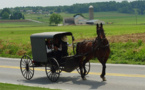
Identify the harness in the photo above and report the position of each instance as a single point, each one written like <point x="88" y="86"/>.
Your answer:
<point x="99" y="43"/>
<point x="97" y="47"/>
<point x="100" y="46"/>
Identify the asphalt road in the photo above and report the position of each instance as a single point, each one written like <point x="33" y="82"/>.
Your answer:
<point x="119" y="77"/>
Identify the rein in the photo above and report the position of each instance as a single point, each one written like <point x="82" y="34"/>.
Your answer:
<point x="99" y="46"/>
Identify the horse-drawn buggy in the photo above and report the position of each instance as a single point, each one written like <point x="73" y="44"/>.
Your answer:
<point x="50" y="50"/>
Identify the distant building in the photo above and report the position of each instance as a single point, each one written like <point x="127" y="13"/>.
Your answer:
<point x="91" y="12"/>
<point x="91" y="17"/>
<point x="29" y="11"/>
<point x="68" y="21"/>
<point x="79" y="20"/>
<point x="95" y="22"/>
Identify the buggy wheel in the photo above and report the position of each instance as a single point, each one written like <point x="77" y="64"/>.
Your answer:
<point x="26" y="67"/>
<point x="87" y="66"/>
<point x="52" y="70"/>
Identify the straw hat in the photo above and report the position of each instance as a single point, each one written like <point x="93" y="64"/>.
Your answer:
<point x="64" y="38"/>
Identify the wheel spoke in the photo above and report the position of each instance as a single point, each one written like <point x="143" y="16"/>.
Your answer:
<point x="29" y="62"/>
<point x="31" y="72"/>
<point x="24" y="72"/>
<point x="23" y="62"/>
<point x="27" y="75"/>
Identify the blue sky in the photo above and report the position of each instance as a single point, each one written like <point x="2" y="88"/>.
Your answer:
<point x="15" y="3"/>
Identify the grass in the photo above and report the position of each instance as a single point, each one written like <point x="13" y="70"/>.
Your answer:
<point x="15" y="37"/>
<point x="118" y="18"/>
<point x="21" y="24"/>
<point x="38" y="17"/>
<point x="127" y="53"/>
<point x="5" y="86"/>
<point x="15" y="41"/>
<point x="18" y="34"/>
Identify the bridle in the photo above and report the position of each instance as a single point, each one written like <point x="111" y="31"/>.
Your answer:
<point x="99" y="45"/>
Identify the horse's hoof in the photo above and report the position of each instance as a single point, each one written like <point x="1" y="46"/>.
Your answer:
<point x="84" y="78"/>
<point x="103" y="78"/>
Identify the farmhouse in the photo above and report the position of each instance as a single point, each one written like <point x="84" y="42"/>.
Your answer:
<point x="79" y="20"/>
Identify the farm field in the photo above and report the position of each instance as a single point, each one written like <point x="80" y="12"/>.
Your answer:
<point x="125" y="37"/>
<point x="108" y="17"/>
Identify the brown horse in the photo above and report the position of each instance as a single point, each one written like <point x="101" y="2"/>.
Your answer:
<point x="98" y="48"/>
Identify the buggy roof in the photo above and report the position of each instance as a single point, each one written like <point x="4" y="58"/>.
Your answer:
<point x="49" y="34"/>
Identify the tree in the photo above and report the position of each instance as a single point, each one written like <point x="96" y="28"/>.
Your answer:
<point x="5" y="15"/>
<point x="55" y="18"/>
<point x="5" y="10"/>
<point x="17" y="15"/>
<point x="58" y="9"/>
<point x="23" y="17"/>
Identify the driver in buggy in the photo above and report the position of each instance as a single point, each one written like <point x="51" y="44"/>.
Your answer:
<point x="60" y="48"/>
<point x="49" y="48"/>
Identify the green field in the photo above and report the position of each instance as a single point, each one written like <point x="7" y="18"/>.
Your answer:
<point x="4" y="86"/>
<point x="15" y="37"/>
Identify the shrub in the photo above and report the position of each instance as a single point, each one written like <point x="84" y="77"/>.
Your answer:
<point x="139" y="42"/>
<point x="129" y="52"/>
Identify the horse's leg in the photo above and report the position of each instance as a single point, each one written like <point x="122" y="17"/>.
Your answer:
<point x="81" y="70"/>
<point x="84" y="73"/>
<point x="103" y="71"/>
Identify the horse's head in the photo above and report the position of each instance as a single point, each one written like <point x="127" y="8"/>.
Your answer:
<point x="101" y="39"/>
<point x="100" y="31"/>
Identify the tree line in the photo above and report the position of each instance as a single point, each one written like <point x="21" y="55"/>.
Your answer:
<point x="137" y="6"/>
<point x="7" y="14"/>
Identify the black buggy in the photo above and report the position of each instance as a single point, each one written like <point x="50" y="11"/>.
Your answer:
<point x="45" y="52"/>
